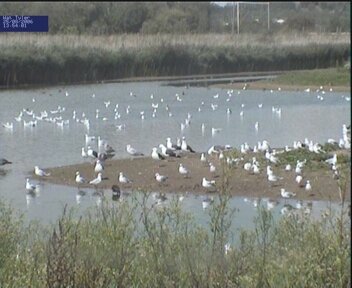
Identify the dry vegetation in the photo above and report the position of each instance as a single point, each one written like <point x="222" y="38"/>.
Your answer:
<point x="116" y="42"/>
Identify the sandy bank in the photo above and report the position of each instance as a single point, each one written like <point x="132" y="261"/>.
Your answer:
<point x="240" y="182"/>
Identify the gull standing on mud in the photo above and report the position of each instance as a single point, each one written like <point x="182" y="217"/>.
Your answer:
<point x="287" y="194"/>
<point x="308" y="186"/>
<point x="171" y="146"/>
<point x="160" y="178"/>
<point x="168" y="152"/>
<point x="208" y="183"/>
<point x="99" y="167"/>
<point x="97" y="180"/>
<point x="123" y="179"/>
<point x="130" y="150"/>
<point x="185" y="147"/>
<point x="183" y="171"/>
<point x="79" y="179"/>
<point x="156" y="155"/>
<point x="40" y="172"/>
<point x="273" y="178"/>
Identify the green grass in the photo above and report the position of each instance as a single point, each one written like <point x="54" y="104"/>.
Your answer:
<point x="316" y="77"/>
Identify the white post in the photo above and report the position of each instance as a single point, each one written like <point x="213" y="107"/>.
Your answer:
<point x="238" y="17"/>
<point x="268" y="16"/>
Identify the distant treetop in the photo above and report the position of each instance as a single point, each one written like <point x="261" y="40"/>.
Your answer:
<point x="105" y="18"/>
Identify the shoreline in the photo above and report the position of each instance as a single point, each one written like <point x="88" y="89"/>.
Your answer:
<point x="202" y="82"/>
<point x="263" y="85"/>
<point x="141" y="170"/>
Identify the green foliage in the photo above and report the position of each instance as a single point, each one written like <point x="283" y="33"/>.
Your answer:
<point x="134" y="244"/>
<point x="106" y="18"/>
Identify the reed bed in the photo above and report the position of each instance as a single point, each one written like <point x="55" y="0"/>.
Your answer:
<point x="42" y="59"/>
<point x="127" y="41"/>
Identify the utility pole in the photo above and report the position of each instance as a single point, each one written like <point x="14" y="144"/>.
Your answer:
<point x="233" y="18"/>
<point x="238" y="17"/>
<point x="268" y="16"/>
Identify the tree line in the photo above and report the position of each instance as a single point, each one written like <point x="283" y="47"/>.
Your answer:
<point x="106" y="18"/>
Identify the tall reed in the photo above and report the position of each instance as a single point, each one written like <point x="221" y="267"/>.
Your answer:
<point x="41" y="59"/>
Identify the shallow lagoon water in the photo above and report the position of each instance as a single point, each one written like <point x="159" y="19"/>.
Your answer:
<point x="48" y="145"/>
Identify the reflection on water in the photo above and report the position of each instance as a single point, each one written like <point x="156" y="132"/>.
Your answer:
<point x="51" y="131"/>
<point x="3" y="172"/>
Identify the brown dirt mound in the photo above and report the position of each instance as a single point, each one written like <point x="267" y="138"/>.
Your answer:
<point x="240" y="182"/>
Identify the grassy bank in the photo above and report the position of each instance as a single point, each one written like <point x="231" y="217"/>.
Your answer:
<point x="72" y="59"/>
<point x="102" y="249"/>
<point x="318" y="77"/>
<point x="338" y="79"/>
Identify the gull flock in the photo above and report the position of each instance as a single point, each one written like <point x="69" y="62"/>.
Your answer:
<point x="30" y="119"/>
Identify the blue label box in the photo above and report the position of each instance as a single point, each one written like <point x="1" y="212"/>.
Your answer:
<point x="24" y="23"/>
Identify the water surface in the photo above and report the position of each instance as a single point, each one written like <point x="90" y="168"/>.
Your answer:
<point x="303" y="115"/>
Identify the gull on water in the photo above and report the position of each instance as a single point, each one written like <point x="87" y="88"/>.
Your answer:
<point x="159" y="197"/>
<point x="256" y="126"/>
<point x="120" y="127"/>
<point x="108" y="149"/>
<point x="287" y="209"/>
<point x="271" y="204"/>
<point x="215" y="130"/>
<point x="40" y="172"/>
<point x="89" y="139"/>
<point x="3" y="161"/>
<point x="207" y="201"/>
<point x="30" y="187"/>
<point x="101" y="142"/>
<point x="91" y="153"/>
<point x="79" y="196"/>
<point x="8" y="125"/>
<point x="116" y="192"/>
